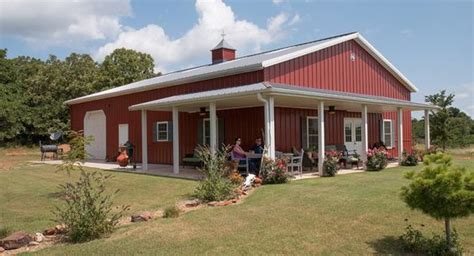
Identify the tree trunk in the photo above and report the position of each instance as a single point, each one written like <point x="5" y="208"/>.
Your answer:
<point x="447" y="226"/>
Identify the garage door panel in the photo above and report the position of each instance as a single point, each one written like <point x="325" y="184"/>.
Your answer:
<point x="95" y="126"/>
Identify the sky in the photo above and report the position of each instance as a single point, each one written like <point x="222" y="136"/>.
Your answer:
<point x="430" y="42"/>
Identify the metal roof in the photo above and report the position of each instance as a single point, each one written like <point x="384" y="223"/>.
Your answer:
<point x="276" y="89"/>
<point x="223" y="44"/>
<point x="240" y="65"/>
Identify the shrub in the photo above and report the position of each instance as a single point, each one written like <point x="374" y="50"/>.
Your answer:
<point x="172" y="212"/>
<point x="330" y="165"/>
<point x="4" y="232"/>
<point x="413" y="241"/>
<point x="215" y="186"/>
<point x="88" y="212"/>
<point x="409" y="159"/>
<point x="274" y="171"/>
<point x="441" y="190"/>
<point x="236" y="178"/>
<point x="376" y="159"/>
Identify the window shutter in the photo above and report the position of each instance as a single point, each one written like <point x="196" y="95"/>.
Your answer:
<point x="304" y="133"/>
<point x="170" y="131"/>
<point x="220" y="132"/>
<point x="155" y="132"/>
<point x="199" y="132"/>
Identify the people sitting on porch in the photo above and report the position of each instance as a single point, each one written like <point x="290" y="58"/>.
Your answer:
<point x="237" y="151"/>
<point x="379" y="145"/>
<point x="254" y="163"/>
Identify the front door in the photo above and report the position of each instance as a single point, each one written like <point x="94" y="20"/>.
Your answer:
<point x="353" y="134"/>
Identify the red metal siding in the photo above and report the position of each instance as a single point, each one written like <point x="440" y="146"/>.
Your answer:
<point x="332" y="69"/>
<point x="116" y="111"/>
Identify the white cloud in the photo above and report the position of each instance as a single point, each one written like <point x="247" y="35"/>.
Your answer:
<point x="406" y="32"/>
<point x="277" y="2"/>
<point x="214" y="16"/>
<point x="464" y="97"/>
<point x="60" y="22"/>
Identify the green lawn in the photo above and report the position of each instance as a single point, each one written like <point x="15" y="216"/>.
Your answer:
<point x="355" y="214"/>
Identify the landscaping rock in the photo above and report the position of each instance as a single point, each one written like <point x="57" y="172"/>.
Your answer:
<point x="191" y="203"/>
<point x="49" y="232"/>
<point x="144" y="216"/>
<point x="235" y="200"/>
<point x="2" y="249"/>
<point x="33" y="243"/>
<point x="15" y="240"/>
<point x="60" y="229"/>
<point x="38" y="237"/>
<point x="213" y="203"/>
<point x="257" y="180"/>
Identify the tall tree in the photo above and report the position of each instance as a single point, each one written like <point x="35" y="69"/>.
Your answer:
<point x="124" y="66"/>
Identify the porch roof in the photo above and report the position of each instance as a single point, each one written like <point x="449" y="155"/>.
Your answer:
<point x="285" y="95"/>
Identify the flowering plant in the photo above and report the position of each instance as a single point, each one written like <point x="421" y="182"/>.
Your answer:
<point x="330" y="163"/>
<point x="274" y="171"/>
<point x="377" y="159"/>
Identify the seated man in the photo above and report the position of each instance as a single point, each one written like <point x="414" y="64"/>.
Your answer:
<point x="254" y="163"/>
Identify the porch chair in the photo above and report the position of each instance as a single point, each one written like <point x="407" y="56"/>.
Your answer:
<point x="349" y="156"/>
<point x="296" y="161"/>
<point x="243" y="163"/>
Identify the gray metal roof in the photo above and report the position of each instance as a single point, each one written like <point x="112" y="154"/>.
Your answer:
<point x="223" y="44"/>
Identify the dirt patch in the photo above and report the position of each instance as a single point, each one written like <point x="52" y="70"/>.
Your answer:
<point x="48" y="242"/>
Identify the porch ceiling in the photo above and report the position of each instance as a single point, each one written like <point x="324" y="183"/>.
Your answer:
<point x="284" y="95"/>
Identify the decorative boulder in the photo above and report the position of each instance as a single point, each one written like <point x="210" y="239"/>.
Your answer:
<point x="15" y="240"/>
<point x="38" y="237"/>
<point x="144" y="216"/>
<point x="49" y="232"/>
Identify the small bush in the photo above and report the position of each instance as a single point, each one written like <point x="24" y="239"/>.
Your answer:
<point x="274" y="171"/>
<point x="236" y="178"/>
<point x="172" y="212"/>
<point x="376" y="160"/>
<point x="4" y="232"/>
<point x="413" y="241"/>
<point x="88" y="211"/>
<point x="409" y="159"/>
<point x="216" y="185"/>
<point x="330" y="166"/>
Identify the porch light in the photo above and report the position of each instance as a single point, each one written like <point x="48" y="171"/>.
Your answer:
<point x="332" y="110"/>
<point x="202" y="111"/>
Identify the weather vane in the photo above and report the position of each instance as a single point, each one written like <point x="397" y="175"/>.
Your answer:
<point x="223" y="34"/>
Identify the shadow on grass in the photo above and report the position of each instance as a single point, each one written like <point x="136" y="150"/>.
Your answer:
<point x="387" y="245"/>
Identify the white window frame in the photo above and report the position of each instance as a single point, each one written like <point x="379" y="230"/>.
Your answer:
<point x="392" y="141"/>
<point x="307" y="130"/>
<point x="158" y="131"/>
<point x="204" y="120"/>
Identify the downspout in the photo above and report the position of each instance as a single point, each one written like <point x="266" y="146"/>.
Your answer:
<point x="266" y="118"/>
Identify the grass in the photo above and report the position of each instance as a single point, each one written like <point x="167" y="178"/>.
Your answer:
<point x="355" y="214"/>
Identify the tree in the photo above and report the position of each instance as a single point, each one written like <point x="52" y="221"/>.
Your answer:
<point x="124" y="66"/>
<point x="449" y="127"/>
<point x="441" y="190"/>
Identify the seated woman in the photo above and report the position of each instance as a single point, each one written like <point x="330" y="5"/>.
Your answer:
<point x="237" y="151"/>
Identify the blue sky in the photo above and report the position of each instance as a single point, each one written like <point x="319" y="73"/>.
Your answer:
<point x="431" y="42"/>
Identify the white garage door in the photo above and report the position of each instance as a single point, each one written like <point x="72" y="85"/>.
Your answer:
<point x="95" y="126"/>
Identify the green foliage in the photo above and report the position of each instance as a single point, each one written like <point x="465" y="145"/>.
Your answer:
<point x="376" y="160"/>
<point x="409" y="159"/>
<point x="32" y="91"/>
<point x="74" y="158"/>
<point x="88" y="212"/>
<point x="330" y="164"/>
<point x="172" y="212"/>
<point x="449" y="126"/>
<point x="4" y="232"/>
<point x="216" y="185"/>
<point x="413" y="241"/>
<point x="274" y="171"/>
<point x="441" y="190"/>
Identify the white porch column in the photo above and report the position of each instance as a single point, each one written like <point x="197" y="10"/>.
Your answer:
<point x="267" y="127"/>
<point x="365" y="134"/>
<point x="175" y="140"/>
<point x="213" y="126"/>
<point x="400" y="133"/>
<point x="271" y="133"/>
<point x="427" y="129"/>
<point x="144" y="142"/>
<point x="321" y="134"/>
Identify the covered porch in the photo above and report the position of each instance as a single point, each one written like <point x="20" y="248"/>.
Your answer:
<point x="360" y="116"/>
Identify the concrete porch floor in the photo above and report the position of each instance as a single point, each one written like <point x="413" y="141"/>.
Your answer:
<point x="153" y="169"/>
<point x="184" y="172"/>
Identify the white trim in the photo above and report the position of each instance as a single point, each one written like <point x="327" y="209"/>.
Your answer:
<point x="144" y="141"/>
<point x="175" y="115"/>
<point x="382" y="137"/>
<point x="213" y="126"/>
<point x="427" y="130"/>
<point x="365" y="133"/>
<point x="307" y="129"/>
<point x="400" y="133"/>
<point x="271" y="117"/>
<point x="158" y="131"/>
<point x="321" y="137"/>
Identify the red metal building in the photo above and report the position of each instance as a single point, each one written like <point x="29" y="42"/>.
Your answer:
<point x="283" y="92"/>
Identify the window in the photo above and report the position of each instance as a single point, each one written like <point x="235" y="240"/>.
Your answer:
<point x="348" y="131"/>
<point x="162" y="131"/>
<point x="206" y="131"/>
<point x="312" y="131"/>
<point x="387" y="133"/>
